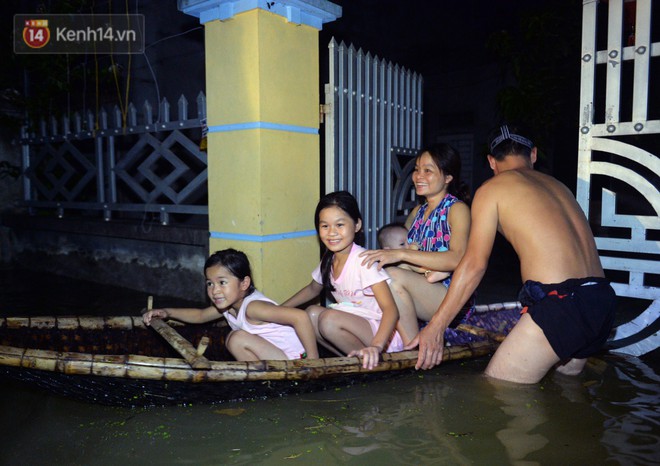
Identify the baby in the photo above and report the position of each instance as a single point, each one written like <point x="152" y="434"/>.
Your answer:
<point x="395" y="236"/>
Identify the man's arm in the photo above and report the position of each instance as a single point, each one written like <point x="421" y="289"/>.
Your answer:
<point x="465" y="280"/>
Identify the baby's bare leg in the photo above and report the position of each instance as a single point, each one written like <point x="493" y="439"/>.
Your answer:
<point x="433" y="276"/>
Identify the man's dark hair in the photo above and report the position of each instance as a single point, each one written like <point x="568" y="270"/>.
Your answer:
<point x="509" y="140"/>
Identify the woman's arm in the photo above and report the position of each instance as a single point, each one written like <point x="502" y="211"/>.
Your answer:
<point x="305" y="295"/>
<point x="459" y="222"/>
<point x="411" y="216"/>
<point x="264" y="311"/>
<point x="183" y="314"/>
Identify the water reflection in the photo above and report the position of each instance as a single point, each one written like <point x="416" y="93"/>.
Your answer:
<point x="450" y="416"/>
<point x="630" y="403"/>
<point x="519" y="436"/>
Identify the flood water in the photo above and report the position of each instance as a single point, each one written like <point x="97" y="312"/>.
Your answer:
<point x="451" y="415"/>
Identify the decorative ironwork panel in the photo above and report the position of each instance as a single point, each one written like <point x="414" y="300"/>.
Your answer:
<point x="618" y="165"/>
<point x="87" y="163"/>
<point x="60" y="172"/>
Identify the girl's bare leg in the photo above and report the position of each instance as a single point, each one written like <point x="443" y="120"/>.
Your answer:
<point x="346" y="331"/>
<point x="245" y="346"/>
<point x="314" y="312"/>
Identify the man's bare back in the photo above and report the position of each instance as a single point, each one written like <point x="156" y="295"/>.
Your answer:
<point x="558" y="257"/>
<point x="543" y="222"/>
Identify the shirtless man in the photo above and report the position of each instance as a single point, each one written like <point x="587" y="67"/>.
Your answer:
<point x="563" y="322"/>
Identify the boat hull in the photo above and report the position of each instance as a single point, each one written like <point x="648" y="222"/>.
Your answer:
<point x="119" y="361"/>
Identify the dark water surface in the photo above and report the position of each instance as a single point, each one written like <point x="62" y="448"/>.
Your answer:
<point x="450" y="415"/>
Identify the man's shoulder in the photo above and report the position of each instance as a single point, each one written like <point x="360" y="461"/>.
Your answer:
<point x="496" y="182"/>
<point x="499" y="188"/>
<point x="510" y="178"/>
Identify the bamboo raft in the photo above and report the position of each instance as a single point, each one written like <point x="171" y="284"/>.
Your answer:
<point x="120" y="361"/>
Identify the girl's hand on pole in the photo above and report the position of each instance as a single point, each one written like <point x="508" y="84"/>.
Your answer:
<point x="147" y="316"/>
<point x="369" y="355"/>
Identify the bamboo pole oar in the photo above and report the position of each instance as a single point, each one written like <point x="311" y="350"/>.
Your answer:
<point x="203" y="344"/>
<point x="176" y="341"/>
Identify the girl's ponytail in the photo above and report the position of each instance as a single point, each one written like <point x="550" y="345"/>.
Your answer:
<point x="326" y="269"/>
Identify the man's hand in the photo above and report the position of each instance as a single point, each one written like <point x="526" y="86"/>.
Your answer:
<point x="431" y="341"/>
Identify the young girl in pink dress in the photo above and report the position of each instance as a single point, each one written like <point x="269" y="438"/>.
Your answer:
<point x="260" y="328"/>
<point x="362" y="321"/>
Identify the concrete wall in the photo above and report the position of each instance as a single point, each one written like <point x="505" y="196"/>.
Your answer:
<point x="159" y="260"/>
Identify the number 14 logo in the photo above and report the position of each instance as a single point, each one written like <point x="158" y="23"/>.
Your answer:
<point x="36" y="33"/>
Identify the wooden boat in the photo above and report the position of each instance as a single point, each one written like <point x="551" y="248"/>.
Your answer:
<point x="120" y="361"/>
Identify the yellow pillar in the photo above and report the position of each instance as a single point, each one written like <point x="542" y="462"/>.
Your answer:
<point x="262" y="89"/>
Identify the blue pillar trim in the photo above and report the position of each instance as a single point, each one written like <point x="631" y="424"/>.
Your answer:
<point x="312" y="13"/>
<point x="263" y="125"/>
<point x="261" y="239"/>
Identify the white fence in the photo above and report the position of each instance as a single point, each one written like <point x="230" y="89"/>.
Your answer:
<point x="89" y="163"/>
<point x="373" y="129"/>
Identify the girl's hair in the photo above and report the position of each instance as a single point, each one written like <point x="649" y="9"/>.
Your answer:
<point x="346" y="202"/>
<point x="234" y="261"/>
<point x="447" y="159"/>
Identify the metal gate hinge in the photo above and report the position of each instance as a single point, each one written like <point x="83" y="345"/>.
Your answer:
<point x="324" y="109"/>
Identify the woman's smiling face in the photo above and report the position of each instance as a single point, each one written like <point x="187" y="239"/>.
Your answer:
<point x="429" y="180"/>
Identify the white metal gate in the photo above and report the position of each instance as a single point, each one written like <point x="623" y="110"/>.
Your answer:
<point x="618" y="173"/>
<point x="373" y="129"/>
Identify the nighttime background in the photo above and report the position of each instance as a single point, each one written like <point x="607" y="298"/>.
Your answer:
<point x="481" y="62"/>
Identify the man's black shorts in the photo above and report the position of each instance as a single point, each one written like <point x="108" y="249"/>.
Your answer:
<point x="576" y="316"/>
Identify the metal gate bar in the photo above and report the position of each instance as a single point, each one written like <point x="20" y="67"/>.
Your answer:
<point x="373" y="106"/>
